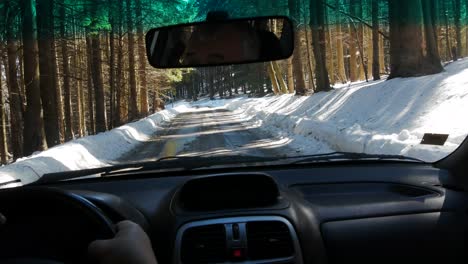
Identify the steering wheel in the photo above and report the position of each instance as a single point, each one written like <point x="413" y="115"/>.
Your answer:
<point x="46" y="225"/>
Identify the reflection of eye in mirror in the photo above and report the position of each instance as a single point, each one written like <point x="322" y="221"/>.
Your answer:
<point x="221" y="43"/>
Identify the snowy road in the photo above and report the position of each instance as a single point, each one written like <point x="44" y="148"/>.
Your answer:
<point x="208" y="132"/>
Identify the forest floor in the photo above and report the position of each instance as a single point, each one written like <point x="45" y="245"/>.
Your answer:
<point x="381" y="117"/>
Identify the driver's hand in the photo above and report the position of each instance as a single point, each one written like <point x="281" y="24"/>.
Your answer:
<point x="130" y="245"/>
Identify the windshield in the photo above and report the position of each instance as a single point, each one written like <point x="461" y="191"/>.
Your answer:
<point x="367" y="76"/>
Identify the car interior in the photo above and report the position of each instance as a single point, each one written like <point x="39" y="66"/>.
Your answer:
<point x="327" y="213"/>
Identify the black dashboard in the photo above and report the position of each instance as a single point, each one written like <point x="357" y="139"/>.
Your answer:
<point x="318" y="214"/>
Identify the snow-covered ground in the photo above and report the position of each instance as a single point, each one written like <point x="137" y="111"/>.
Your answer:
<point x="89" y="152"/>
<point x="383" y="117"/>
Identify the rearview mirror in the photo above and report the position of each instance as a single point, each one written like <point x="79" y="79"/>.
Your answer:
<point x="224" y="42"/>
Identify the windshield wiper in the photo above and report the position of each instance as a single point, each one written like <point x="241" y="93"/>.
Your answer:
<point x="185" y="163"/>
<point x="351" y="156"/>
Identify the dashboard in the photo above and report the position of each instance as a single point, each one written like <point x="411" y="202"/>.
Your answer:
<point x="317" y="214"/>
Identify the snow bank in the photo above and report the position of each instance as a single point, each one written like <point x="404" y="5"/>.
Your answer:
<point x="89" y="152"/>
<point x="383" y="117"/>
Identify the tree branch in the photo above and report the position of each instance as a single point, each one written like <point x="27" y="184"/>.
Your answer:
<point x="354" y="17"/>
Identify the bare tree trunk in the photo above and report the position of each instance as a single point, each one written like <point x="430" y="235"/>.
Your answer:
<point x="430" y="8"/>
<point x="78" y="87"/>
<point x="79" y="110"/>
<point x="353" y="60"/>
<point x="33" y="126"/>
<point x="406" y="51"/>
<point x="82" y="93"/>
<point x="375" y="40"/>
<point x="142" y="61"/>
<point x="100" y="107"/>
<point x="290" y="76"/>
<point x="120" y="74"/>
<point x="132" y="100"/>
<point x="382" y="55"/>
<point x="339" y="47"/>
<point x="48" y="85"/>
<point x="66" y="75"/>
<point x="330" y="59"/>
<point x="458" y="29"/>
<point x="294" y="9"/>
<point x="15" y="102"/>
<point x="3" y="133"/>
<point x="279" y="76"/>
<point x="113" y="110"/>
<point x="447" y="34"/>
<point x="59" y="96"/>
<point x="89" y="56"/>
<point x="274" y="81"/>
<point x="317" y="20"/>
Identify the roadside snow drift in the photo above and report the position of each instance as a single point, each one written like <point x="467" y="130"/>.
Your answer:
<point x="89" y="152"/>
<point x="383" y="117"/>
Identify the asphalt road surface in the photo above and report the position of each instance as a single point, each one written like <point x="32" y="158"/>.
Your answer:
<point x="208" y="132"/>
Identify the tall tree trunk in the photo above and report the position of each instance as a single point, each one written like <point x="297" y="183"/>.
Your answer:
<point x="353" y="59"/>
<point x="317" y="21"/>
<point x="66" y="75"/>
<point x="78" y="113"/>
<point x="310" y="61"/>
<point x="15" y="102"/>
<point x="48" y="86"/>
<point x="99" y="100"/>
<point x="142" y="60"/>
<point x="33" y="126"/>
<point x="58" y="94"/>
<point x="294" y="9"/>
<point x="112" y="69"/>
<point x="383" y="67"/>
<point x="3" y="133"/>
<point x="120" y="73"/>
<point x="406" y="51"/>
<point x="290" y="76"/>
<point x="274" y="81"/>
<point x="82" y="91"/>
<point x="360" y="42"/>
<point x="330" y="59"/>
<point x="89" y="73"/>
<point x="339" y="47"/>
<point x="457" y="10"/>
<point x="448" y="45"/>
<point x="430" y="8"/>
<point x="78" y="87"/>
<point x="375" y="40"/>
<point x="132" y="100"/>
<point x="279" y="76"/>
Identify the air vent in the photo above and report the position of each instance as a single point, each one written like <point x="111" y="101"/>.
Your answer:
<point x="204" y="244"/>
<point x="269" y="240"/>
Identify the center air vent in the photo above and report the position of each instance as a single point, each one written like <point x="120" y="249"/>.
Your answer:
<point x="253" y="240"/>
<point x="269" y="240"/>
<point x="204" y="244"/>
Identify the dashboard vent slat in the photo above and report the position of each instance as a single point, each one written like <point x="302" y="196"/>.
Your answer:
<point x="205" y="244"/>
<point x="269" y="240"/>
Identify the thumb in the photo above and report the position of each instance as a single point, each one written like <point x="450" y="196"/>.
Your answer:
<point x="97" y="249"/>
